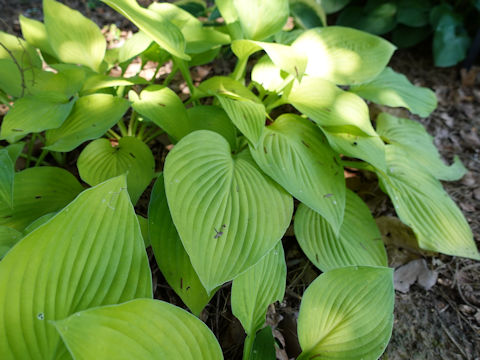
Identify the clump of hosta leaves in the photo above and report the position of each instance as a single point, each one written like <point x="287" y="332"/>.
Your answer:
<point x="74" y="278"/>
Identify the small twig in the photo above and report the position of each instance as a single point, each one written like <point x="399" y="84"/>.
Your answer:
<point x="450" y="336"/>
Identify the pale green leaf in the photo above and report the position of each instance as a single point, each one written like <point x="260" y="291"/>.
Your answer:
<point x="90" y="118"/>
<point x="134" y="46"/>
<point x="7" y="174"/>
<point x="422" y="204"/>
<point x="329" y="106"/>
<point x="141" y="329"/>
<point x="38" y="191"/>
<point x="344" y="56"/>
<point x="73" y="38"/>
<point x="393" y="89"/>
<point x="35" y="34"/>
<point x="347" y="313"/>
<point x="90" y="254"/>
<point x="294" y="152"/>
<point x="171" y="257"/>
<point x="25" y="54"/>
<point x="268" y="75"/>
<point x="8" y="238"/>
<point x="412" y="137"/>
<point x="21" y="120"/>
<point x="358" y="242"/>
<point x="167" y="35"/>
<point x="143" y="222"/>
<point x="284" y="57"/>
<point x="257" y="288"/>
<point x="100" y="161"/>
<point x="38" y="222"/>
<point x="99" y="81"/>
<point x="227" y="213"/>
<point x="162" y="106"/>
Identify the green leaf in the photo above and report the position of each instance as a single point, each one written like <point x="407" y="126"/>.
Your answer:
<point x="210" y="117"/>
<point x="8" y="238"/>
<point x="264" y="345"/>
<point x="413" y="13"/>
<point x="257" y="288"/>
<point x="35" y="34"/>
<point x="90" y="118"/>
<point x="101" y="161"/>
<point x="99" y="81"/>
<point x="143" y="222"/>
<point x="90" y="254"/>
<point x="171" y="257"/>
<point x="393" y="89"/>
<point x="14" y="151"/>
<point x="268" y="75"/>
<point x="21" y="120"/>
<point x="38" y="222"/>
<point x="347" y="313"/>
<point x="378" y="19"/>
<point x="422" y="204"/>
<point x="405" y="36"/>
<point x="73" y="38"/>
<point x="38" y="191"/>
<point x="330" y="106"/>
<point x="283" y="56"/>
<point x="295" y="153"/>
<point x="450" y="46"/>
<point x="227" y="213"/>
<point x="358" y="242"/>
<point x="141" y="329"/>
<point x="412" y="137"/>
<point x="162" y="106"/>
<point x="134" y="46"/>
<point x="7" y="174"/>
<point x="167" y="35"/>
<point x="308" y="13"/>
<point x="25" y="55"/>
<point x="331" y="6"/>
<point x="342" y="55"/>
<point x="242" y="106"/>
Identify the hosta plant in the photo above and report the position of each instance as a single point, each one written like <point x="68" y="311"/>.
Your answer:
<point x="283" y="125"/>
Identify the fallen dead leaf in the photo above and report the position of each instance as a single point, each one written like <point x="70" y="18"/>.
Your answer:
<point x="415" y="271"/>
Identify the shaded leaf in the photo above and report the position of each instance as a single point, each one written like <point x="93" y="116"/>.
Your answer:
<point x="7" y="174"/>
<point x="264" y="345"/>
<point x="308" y="13"/>
<point x="378" y="19"/>
<point x="8" y="238"/>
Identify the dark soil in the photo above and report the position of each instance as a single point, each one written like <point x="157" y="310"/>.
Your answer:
<point x="442" y="323"/>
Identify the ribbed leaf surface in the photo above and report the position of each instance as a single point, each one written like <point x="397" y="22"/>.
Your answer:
<point x="343" y="55"/>
<point x="422" y="204"/>
<point x="101" y="161"/>
<point x="358" y="242"/>
<point x="90" y="118"/>
<point x="227" y="213"/>
<point x="393" y="89"/>
<point x="91" y="253"/>
<point x="38" y="191"/>
<point x="259" y="286"/>
<point x="8" y="238"/>
<point x="347" y="314"/>
<point x="171" y="257"/>
<point x="412" y="137"/>
<point x="140" y="329"/>
<point x="294" y="152"/>
<point x="7" y="175"/>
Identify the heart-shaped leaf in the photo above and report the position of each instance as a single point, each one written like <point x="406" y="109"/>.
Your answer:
<point x="412" y="137"/>
<point x="422" y="204"/>
<point x="342" y="55"/>
<point x="259" y="286"/>
<point x="141" y="329"/>
<point x="73" y="38"/>
<point x="90" y="118"/>
<point x="8" y="238"/>
<point x="294" y="152"/>
<point x="171" y="257"/>
<point x="227" y="213"/>
<point x="38" y="191"/>
<point x="7" y="174"/>
<point x="358" y="242"/>
<point x="100" y="161"/>
<point x="393" y="89"/>
<point x="91" y="253"/>
<point x="347" y="313"/>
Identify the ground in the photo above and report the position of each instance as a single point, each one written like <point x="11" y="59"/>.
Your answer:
<point x="443" y="322"/>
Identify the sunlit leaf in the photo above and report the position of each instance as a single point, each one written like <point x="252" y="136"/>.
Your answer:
<point x="99" y="81"/>
<point x="141" y="329"/>
<point x="38" y="191"/>
<point x="7" y="174"/>
<point x="38" y="222"/>
<point x="412" y="137"/>
<point x="294" y="152"/>
<point x="358" y="242"/>
<point x="268" y="75"/>
<point x="227" y="213"/>
<point x="73" y="38"/>
<point x="90" y="118"/>
<point x="91" y="253"/>
<point x="101" y="161"/>
<point x="393" y="89"/>
<point x="257" y="288"/>
<point x="35" y="34"/>
<point x="344" y="56"/>
<point x="422" y="204"/>
<point x="170" y="254"/>
<point x="347" y="313"/>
